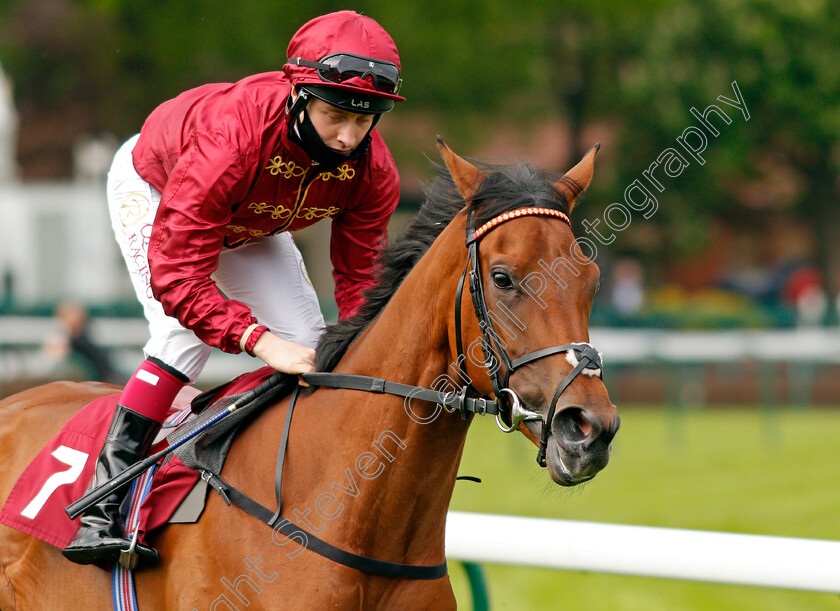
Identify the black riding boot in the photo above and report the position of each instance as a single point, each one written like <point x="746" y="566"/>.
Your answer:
<point x="101" y="536"/>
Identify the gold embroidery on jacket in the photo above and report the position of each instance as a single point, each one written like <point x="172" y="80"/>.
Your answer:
<point x="318" y="213"/>
<point x="342" y="172"/>
<point x="288" y="169"/>
<point x="277" y="212"/>
<point x="283" y="214"/>
<point x="254" y="233"/>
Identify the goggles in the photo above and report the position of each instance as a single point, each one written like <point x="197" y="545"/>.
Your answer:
<point x="340" y="67"/>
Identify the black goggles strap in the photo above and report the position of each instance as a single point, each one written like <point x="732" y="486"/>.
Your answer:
<point x="355" y="66"/>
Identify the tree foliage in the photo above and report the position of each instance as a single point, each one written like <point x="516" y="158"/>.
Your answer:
<point x="636" y="68"/>
<point x="785" y="159"/>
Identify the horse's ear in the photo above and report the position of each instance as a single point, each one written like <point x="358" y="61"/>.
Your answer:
<point x="576" y="180"/>
<point x="466" y="176"/>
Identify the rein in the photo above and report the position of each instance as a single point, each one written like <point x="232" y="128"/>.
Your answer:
<point x="506" y="402"/>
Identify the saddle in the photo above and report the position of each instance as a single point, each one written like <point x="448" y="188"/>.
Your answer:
<point x="36" y="503"/>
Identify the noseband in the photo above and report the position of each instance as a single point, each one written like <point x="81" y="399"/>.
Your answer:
<point x="587" y="357"/>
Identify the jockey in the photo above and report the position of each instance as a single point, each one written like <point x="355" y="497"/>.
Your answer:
<point x="202" y="202"/>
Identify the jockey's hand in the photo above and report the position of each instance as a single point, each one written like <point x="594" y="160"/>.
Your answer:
<point x="284" y="355"/>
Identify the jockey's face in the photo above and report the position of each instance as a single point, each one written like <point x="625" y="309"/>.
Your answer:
<point x="340" y="130"/>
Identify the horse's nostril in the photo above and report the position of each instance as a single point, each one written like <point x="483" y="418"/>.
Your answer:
<point x="583" y="424"/>
<point x="573" y="425"/>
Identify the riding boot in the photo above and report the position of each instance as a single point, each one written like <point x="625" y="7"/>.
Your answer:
<point x="101" y="536"/>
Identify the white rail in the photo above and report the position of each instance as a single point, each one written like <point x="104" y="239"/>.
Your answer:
<point x="753" y="560"/>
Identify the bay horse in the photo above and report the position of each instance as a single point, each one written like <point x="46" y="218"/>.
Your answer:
<point x="372" y="473"/>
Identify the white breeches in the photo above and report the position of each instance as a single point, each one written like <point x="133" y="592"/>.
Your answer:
<point x="268" y="275"/>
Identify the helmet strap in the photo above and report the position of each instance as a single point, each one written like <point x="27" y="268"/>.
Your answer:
<point x="295" y="106"/>
<point x="303" y="133"/>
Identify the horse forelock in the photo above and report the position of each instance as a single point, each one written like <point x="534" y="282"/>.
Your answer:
<point x="510" y="187"/>
<point x="506" y="188"/>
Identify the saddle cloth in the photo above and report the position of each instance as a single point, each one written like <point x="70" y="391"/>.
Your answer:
<point x="61" y="473"/>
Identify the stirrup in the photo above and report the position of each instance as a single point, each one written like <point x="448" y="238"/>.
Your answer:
<point x="129" y="557"/>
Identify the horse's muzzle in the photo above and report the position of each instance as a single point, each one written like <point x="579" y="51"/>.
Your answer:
<point x="579" y="444"/>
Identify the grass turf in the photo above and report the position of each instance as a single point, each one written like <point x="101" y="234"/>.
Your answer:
<point x="736" y="470"/>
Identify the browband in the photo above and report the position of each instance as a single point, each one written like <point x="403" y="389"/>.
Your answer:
<point x="515" y="214"/>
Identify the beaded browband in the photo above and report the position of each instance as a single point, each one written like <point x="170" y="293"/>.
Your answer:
<point x="515" y="214"/>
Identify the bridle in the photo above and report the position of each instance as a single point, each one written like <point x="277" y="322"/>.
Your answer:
<point x="587" y="356"/>
<point x="506" y="401"/>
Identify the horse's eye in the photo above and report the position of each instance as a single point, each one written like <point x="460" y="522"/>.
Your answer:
<point x="502" y="280"/>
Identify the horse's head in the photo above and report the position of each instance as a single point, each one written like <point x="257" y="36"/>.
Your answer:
<point x="532" y="288"/>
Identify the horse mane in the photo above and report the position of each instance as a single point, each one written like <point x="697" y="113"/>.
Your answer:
<point x="507" y="187"/>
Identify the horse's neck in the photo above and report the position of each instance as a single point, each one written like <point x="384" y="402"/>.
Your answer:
<point x="360" y="472"/>
<point x="409" y="343"/>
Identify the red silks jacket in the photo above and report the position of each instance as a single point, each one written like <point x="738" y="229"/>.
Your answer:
<point x="220" y="156"/>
